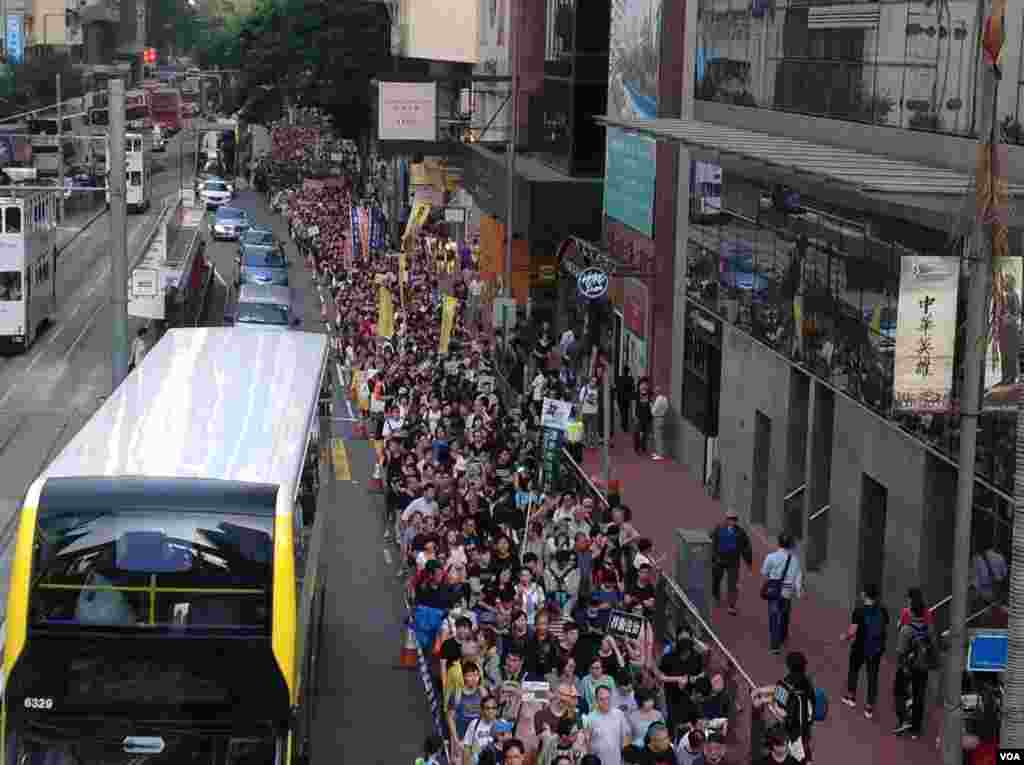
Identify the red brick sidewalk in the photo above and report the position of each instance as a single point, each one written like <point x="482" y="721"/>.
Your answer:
<point x="664" y="496"/>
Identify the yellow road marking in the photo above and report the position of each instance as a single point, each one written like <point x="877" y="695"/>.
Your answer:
<point x="342" y="471"/>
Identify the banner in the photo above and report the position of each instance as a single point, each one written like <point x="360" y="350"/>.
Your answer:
<point x="403" y="268"/>
<point x="551" y="456"/>
<point x="364" y="232"/>
<point x="926" y="333"/>
<point x="385" y="313"/>
<point x="1002" y="358"/>
<point x="448" y="309"/>
<point x="418" y="216"/>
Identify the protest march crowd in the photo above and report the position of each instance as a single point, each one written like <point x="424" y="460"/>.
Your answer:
<point x="538" y="605"/>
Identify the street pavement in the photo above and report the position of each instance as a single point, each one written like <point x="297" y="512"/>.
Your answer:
<point x="48" y="393"/>
<point x="367" y="708"/>
<point x="665" y="496"/>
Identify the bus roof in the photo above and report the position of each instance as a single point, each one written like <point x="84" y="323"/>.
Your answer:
<point x="234" y="404"/>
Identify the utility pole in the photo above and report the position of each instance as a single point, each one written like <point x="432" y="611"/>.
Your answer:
<point x="118" y="235"/>
<point x="606" y="459"/>
<point x="974" y="353"/>
<point x="511" y="186"/>
<point x="60" y="149"/>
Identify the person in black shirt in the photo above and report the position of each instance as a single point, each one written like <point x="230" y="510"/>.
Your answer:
<point x="433" y="593"/>
<point x="681" y="664"/>
<point x="451" y="649"/>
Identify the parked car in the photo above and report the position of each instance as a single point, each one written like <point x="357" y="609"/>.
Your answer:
<point x="230" y="223"/>
<point x="263" y="305"/>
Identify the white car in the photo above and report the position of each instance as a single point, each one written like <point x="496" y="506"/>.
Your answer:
<point x="215" y="193"/>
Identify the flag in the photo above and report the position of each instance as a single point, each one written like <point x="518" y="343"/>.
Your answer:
<point x="876" y="320"/>
<point x="449" y="307"/>
<point x="994" y="36"/>
<point x="403" y="268"/>
<point x="385" y="313"/>
<point x="418" y="216"/>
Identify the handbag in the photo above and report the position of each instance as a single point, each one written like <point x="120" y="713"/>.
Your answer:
<point x="771" y="589"/>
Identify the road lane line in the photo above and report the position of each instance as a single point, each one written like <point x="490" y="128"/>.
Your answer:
<point x="85" y="329"/>
<point x="342" y="470"/>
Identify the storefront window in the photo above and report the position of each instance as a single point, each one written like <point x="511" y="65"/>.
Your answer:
<point x="824" y="293"/>
<point x="702" y="371"/>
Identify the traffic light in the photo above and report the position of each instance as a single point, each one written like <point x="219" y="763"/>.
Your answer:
<point x="149" y="56"/>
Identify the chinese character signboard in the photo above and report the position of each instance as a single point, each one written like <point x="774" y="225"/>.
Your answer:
<point x="408" y="111"/>
<point x="629" y="180"/>
<point x="552" y="458"/>
<point x="925" y="333"/>
<point x="623" y="624"/>
<point x="15" y="42"/>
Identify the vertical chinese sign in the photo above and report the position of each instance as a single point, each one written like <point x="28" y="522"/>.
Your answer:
<point x="926" y="333"/>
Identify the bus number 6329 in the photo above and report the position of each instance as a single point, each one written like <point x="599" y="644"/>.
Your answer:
<point x="36" y="703"/>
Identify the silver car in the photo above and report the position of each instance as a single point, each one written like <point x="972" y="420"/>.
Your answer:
<point x="263" y="305"/>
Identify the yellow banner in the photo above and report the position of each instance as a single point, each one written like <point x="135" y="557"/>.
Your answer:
<point x="403" y="268"/>
<point x="417" y="218"/>
<point x="385" y="313"/>
<point x="448" y="309"/>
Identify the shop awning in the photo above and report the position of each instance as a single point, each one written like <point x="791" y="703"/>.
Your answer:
<point x="866" y="173"/>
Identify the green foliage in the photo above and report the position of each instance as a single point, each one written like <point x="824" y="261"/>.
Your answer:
<point x="28" y="86"/>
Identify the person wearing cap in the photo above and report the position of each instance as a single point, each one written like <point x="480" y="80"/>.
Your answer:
<point x="730" y="544"/>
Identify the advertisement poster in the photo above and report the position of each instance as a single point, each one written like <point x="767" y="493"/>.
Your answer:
<point x="634" y="58"/>
<point x="385" y="313"/>
<point x="926" y="333"/>
<point x="448" y="310"/>
<point x="629" y="180"/>
<point x="1002" y="357"/>
<point x="15" y="42"/>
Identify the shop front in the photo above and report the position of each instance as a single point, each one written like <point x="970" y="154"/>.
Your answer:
<point x="548" y="208"/>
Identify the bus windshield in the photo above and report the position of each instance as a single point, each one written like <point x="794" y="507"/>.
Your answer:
<point x="10" y="285"/>
<point x="151" y="568"/>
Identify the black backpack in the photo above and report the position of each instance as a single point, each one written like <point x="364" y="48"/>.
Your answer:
<point x="922" y="653"/>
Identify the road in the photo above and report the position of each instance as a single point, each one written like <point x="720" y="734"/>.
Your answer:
<point x="368" y="709"/>
<point x="47" y="393"/>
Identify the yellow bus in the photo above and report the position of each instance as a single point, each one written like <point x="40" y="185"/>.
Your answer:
<point x="164" y="601"/>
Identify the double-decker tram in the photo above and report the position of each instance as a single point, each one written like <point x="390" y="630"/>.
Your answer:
<point x="139" y="181"/>
<point x="164" y="602"/>
<point x="28" y="265"/>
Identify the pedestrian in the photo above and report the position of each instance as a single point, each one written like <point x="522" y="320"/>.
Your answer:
<point x="917" y="655"/>
<point x="868" y="630"/>
<point x="139" y="348"/>
<point x="588" y="407"/>
<point x="625" y="390"/>
<point x="606" y="729"/>
<point x="643" y="416"/>
<point x="433" y="748"/>
<point x="795" y="695"/>
<point x="990" y="577"/>
<point x="730" y="544"/>
<point x="783" y="581"/>
<point x="778" y="752"/>
<point x="659" y="410"/>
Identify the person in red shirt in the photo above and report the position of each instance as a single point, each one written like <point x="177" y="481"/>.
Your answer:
<point x="915" y="598"/>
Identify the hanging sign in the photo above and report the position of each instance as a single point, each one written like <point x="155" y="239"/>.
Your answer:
<point x="625" y="625"/>
<point x="552" y="458"/>
<point x="592" y="283"/>
<point x="555" y="414"/>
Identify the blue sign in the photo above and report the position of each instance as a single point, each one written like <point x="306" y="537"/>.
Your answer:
<point x="987" y="651"/>
<point x="14" y="43"/>
<point x="629" y="175"/>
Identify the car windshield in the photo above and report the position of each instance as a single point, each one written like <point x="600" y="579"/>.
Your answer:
<point x="262" y="313"/>
<point x="216" y="186"/>
<point x="152" y="566"/>
<point x="230" y="214"/>
<point x="259" y="258"/>
<point x="258" y="237"/>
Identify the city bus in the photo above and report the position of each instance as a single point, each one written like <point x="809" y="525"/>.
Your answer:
<point x="165" y="597"/>
<point x="139" y="182"/>
<point x="28" y="265"/>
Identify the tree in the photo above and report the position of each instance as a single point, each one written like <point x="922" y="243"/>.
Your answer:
<point x="32" y="85"/>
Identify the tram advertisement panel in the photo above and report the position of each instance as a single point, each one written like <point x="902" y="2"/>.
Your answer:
<point x="12" y="306"/>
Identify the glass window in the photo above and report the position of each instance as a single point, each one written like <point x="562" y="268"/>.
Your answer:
<point x="262" y="313"/>
<point x="153" y="567"/>
<point x="258" y="237"/>
<point x="134" y="178"/>
<point x="12" y="220"/>
<point x="261" y="258"/>
<point x="10" y="285"/>
<point x="216" y="186"/>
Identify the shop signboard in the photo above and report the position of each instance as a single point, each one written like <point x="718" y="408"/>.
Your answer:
<point x="630" y="173"/>
<point x="407" y="111"/>
<point x="552" y="458"/>
<point x="15" y="38"/>
<point x="925" y="333"/>
<point x="592" y="283"/>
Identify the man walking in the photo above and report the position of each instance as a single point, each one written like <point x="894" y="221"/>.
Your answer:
<point x="783" y="581"/>
<point x="729" y="544"/>
<point x="139" y="348"/>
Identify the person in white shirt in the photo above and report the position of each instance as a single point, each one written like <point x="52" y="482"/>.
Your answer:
<point x="425" y="504"/>
<point x="565" y="343"/>
<point x="784" y="566"/>
<point x="659" y="409"/>
<point x="537" y="387"/>
<point x="606" y="729"/>
<point x="588" y="409"/>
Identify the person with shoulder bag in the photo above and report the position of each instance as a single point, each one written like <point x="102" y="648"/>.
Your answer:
<point x="783" y="581"/>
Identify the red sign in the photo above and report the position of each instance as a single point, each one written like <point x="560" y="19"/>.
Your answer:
<point x="634" y="307"/>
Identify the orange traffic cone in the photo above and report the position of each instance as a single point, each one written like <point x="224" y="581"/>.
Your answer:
<point x="408" y="657"/>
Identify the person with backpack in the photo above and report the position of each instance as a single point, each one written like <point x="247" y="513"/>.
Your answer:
<point x="802" y="705"/>
<point x="917" y="653"/>
<point x="433" y="749"/>
<point x="730" y="543"/>
<point x="868" y="632"/>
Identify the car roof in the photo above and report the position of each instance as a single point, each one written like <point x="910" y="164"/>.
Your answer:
<point x="265" y="293"/>
<point x="230" y="212"/>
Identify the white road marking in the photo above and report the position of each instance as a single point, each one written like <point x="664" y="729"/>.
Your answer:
<point x="85" y="329"/>
<point x="220" y="278"/>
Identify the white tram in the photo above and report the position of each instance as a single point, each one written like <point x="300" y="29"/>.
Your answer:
<point x="28" y="265"/>
<point x="139" y="183"/>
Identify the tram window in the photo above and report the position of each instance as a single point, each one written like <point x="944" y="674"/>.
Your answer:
<point x="10" y="285"/>
<point x="135" y="178"/>
<point x="12" y="220"/>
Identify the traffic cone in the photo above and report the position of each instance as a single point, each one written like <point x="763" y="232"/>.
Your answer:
<point x="408" y="658"/>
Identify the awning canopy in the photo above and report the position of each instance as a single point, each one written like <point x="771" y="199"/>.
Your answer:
<point x="871" y="174"/>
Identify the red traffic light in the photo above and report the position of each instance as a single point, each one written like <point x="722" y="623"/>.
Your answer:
<point x="149" y="56"/>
